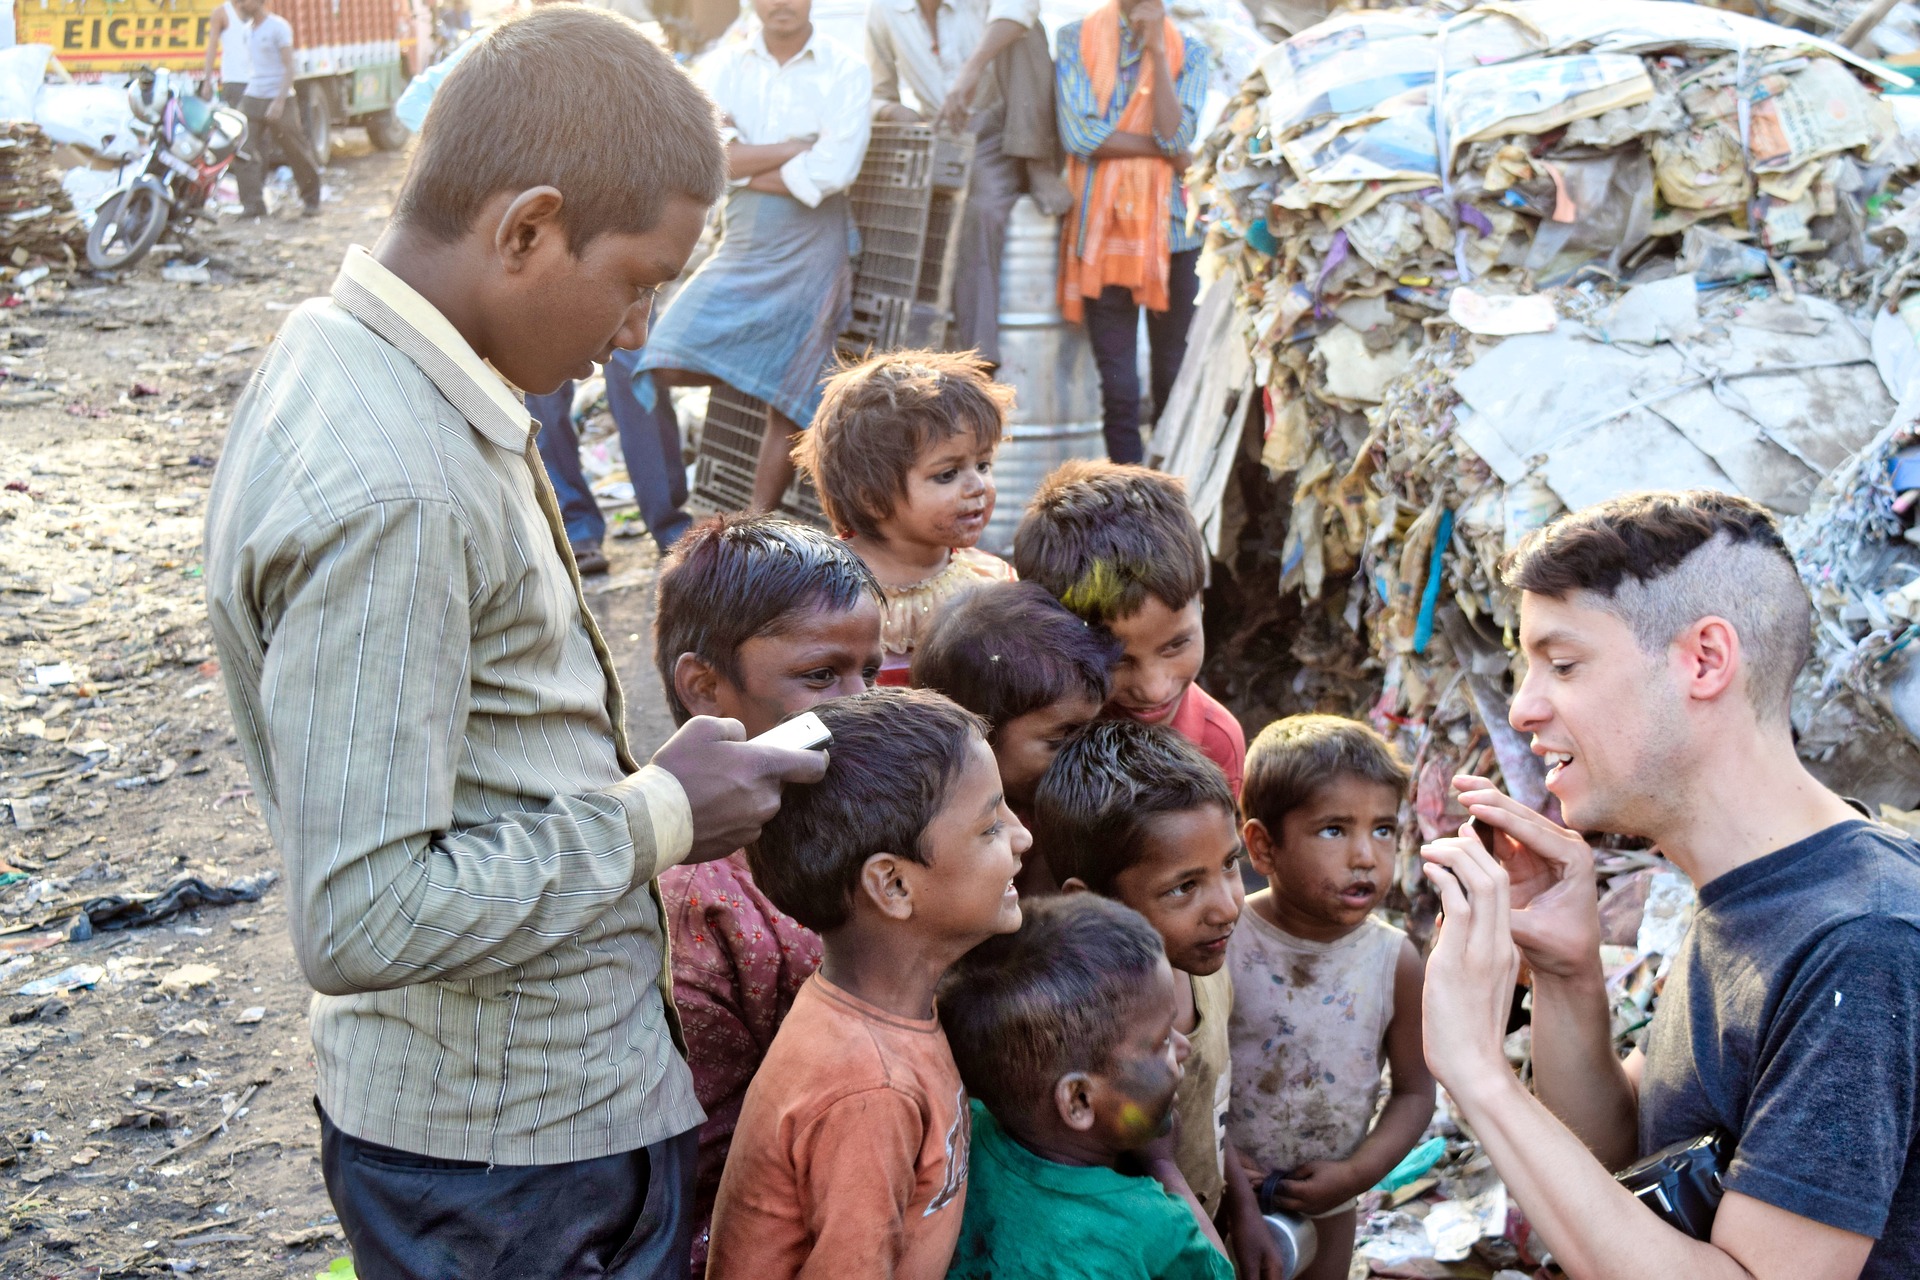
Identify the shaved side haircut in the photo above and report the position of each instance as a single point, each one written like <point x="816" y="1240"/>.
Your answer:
<point x="1661" y="561"/>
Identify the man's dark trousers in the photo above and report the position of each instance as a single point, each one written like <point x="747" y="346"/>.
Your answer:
<point x="251" y="173"/>
<point x="1113" y="327"/>
<point x="649" y="441"/>
<point x="408" y="1217"/>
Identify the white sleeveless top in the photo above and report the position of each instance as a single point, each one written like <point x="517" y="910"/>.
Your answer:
<point x="1308" y="1038"/>
<point x="236" y="64"/>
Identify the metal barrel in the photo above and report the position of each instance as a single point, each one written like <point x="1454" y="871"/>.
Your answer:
<point x="1048" y="363"/>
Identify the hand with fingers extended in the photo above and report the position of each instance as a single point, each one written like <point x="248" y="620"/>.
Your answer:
<point x="1556" y="904"/>
<point x="1473" y="966"/>
<point x="732" y="785"/>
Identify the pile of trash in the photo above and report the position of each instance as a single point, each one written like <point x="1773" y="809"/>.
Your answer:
<point x="1488" y="266"/>
<point x="39" y="230"/>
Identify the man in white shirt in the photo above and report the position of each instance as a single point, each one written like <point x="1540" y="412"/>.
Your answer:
<point x="762" y="313"/>
<point x="982" y="66"/>
<point x="228" y="35"/>
<point x="269" y="90"/>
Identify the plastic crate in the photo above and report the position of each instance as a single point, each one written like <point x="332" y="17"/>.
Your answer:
<point x="907" y="205"/>
<point x="729" y="448"/>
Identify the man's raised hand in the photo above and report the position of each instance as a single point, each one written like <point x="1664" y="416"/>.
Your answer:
<point x="732" y="785"/>
<point x="1473" y="966"/>
<point x="1556" y="905"/>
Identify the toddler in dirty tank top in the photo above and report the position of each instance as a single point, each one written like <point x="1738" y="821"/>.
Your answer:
<point x="1324" y="991"/>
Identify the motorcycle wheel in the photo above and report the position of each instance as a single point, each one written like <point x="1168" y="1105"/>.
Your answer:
<point x="126" y="227"/>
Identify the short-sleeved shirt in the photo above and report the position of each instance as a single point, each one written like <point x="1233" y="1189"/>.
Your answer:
<point x="1791" y="1020"/>
<point x="269" y="36"/>
<point x="1031" y="1217"/>
<point x="850" y="1158"/>
<point x="1205" y="1090"/>
<point x="1209" y="726"/>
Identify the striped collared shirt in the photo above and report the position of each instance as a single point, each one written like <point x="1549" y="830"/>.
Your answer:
<point x="434" y="728"/>
<point x="1083" y="126"/>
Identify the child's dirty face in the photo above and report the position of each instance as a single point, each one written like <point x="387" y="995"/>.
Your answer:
<point x="949" y="496"/>
<point x="1133" y="1097"/>
<point x="814" y="654"/>
<point x="973" y="848"/>
<point x="1187" y="885"/>
<point x="1026" y="745"/>
<point x="1163" y="652"/>
<point x="1332" y="859"/>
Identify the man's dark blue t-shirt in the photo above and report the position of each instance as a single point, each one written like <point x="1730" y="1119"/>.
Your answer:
<point x="1791" y="1020"/>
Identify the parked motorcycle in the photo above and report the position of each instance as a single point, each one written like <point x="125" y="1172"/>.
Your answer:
<point x="190" y="143"/>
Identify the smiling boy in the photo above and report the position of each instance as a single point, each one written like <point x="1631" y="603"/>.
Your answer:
<point x="1136" y="813"/>
<point x="851" y="1154"/>
<point x="1118" y="546"/>
<point x="756" y="618"/>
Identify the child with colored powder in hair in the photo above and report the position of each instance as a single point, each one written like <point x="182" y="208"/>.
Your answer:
<point x="1064" y="1034"/>
<point x="1118" y="546"/>
<point x="851" y="1154"/>
<point x="901" y="453"/>
<point x="1135" y="813"/>
<point x="1324" y="991"/>
<point x="756" y="618"/>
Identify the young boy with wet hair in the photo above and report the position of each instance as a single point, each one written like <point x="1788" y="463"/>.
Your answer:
<point x="1118" y="546"/>
<point x="1013" y="655"/>
<point x="851" y="1154"/>
<point x="901" y="453"/>
<point x="1064" y="1035"/>
<point x="1325" y="992"/>
<point x="756" y="618"/>
<point x="1134" y="812"/>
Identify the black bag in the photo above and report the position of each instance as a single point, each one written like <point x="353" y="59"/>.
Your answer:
<point x="1681" y="1183"/>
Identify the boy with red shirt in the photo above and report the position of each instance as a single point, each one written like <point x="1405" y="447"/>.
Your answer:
<point x="1118" y="546"/>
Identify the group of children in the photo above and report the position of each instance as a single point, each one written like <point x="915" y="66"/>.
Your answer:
<point x="990" y="1000"/>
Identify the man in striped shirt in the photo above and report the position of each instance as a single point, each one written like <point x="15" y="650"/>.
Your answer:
<point x="428" y="711"/>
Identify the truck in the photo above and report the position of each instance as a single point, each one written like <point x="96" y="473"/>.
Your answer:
<point x="351" y="57"/>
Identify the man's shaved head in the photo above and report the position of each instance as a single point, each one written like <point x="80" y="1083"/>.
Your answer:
<point x="1661" y="561"/>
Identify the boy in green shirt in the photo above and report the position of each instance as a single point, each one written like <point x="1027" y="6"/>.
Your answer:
<point x="1064" y="1035"/>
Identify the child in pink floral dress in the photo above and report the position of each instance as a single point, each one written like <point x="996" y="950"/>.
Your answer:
<point x="757" y="617"/>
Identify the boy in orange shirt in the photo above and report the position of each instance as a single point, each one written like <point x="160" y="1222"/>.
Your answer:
<point x="850" y="1158"/>
<point x="1118" y="546"/>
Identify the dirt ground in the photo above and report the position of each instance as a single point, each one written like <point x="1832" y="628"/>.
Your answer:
<point x="120" y="775"/>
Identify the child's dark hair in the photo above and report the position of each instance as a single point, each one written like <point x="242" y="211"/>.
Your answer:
<point x="733" y="577"/>
<point x="1023" y="1009"/>
<point x="1005" y="649"/>
<point x="876" y="416"/>
<point x="1291" y="759"/>
<point x="894" y="756"/>
<point x="1091" y="809"/>
<point x="1103" y="536"/>
<point x="570" y="97"/>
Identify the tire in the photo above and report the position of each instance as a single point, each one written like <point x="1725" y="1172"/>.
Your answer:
<point x="126" y="227"/>
<point x="386" y="132"/>
<point x="316" y="119"/>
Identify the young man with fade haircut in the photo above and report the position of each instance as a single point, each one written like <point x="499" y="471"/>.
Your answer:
<point x="1663" y="633"/>
<point x="428" y="711"/>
